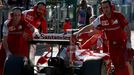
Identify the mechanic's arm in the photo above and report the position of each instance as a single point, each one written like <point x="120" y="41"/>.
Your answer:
<point x="5" y="43"/>
<point x="89" y="28"/>
<point x="125" y="26"/>
<point x="128" y="33"/>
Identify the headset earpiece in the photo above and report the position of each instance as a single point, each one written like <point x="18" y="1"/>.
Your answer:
<point x="113" y="7"/>
<point x="100" y="10"/>
<point x="11" y="14"/>
<point x="35" y="8"/>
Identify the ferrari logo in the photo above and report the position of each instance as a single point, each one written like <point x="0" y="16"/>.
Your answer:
<point x="115" y="22"/>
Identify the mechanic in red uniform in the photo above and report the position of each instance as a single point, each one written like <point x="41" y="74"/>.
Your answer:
<point x="115" y="27"/>
<point x="67" y="25"/>
<point x="36" y="17"/>
<point x="13" y="32"/>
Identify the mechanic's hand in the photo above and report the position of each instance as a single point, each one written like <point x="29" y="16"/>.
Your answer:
<point x="25" y="61"/>
<point x="36" y="33"/>
<point x="8" y="53"/>
<point x="76" y="34"/>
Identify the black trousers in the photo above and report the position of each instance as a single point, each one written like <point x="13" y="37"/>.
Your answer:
<point x="15" y="66"/>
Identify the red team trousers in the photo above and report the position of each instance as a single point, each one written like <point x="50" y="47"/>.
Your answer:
<point x="117" y="53"/>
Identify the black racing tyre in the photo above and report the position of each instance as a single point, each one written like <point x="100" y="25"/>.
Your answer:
<point x="92" y="67"/>
<point x="103" y="69"/>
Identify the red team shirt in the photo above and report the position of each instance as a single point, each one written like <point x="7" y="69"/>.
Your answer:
<point x="15" y="37"/>
<point x="113" y="26"/>
<point x="34" y="20"/>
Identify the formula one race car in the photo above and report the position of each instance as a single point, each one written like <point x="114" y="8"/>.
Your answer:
<point x="72" y="60"/>
<point x="65" y="57"/>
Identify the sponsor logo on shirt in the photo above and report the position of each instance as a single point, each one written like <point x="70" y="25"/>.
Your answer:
<point x="31" y="18"/>
<point x="105" y="23"/>
<point x="115" y="22"/>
